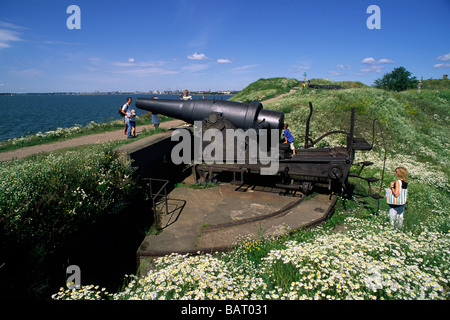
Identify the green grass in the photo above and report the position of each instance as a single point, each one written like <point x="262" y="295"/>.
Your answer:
<point x="356" y="254"/>
<point x="265" y="89"/>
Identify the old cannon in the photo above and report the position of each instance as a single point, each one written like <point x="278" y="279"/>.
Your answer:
<point x="241" y="115"/>
<point x="310" y="166"/>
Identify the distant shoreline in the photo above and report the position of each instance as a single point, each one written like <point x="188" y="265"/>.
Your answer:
<point x="206" y="93"/>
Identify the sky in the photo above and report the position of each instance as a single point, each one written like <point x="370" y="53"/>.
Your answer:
<point x="117" y="45"/>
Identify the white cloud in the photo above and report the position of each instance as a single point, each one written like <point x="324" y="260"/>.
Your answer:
<point x="195" y="67"/>
<point x="368" y="61"/>
<point x="372" y="65"/>
<point x="197" y="56"/>
<point x="12" y="26"/>
<point x="441" y="65"/>
<point x="372" y="61"/>
<point x="382" y="61"/>
<point x="445" y="57"/>
<point x="9" y="33"/>
<point x="346" y="66"/>
<point x="377" y="69"/>
<point x="131" y="60"/>
<point x="8" y="36"/>
<point x="224" y="61"/>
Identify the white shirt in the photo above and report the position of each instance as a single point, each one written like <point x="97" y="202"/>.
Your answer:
<point x="126" y="109"/>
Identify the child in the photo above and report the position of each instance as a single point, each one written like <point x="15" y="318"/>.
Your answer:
<point x="133" y="123"/>
<point x="288" y="138"/>
<point x="396" y="211"/>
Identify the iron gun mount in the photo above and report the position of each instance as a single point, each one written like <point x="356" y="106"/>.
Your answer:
<point x="310" y="166"/>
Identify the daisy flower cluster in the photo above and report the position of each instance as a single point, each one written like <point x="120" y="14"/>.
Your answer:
<point x="369" y="261"/>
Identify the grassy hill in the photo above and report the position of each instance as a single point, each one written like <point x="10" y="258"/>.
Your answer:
<point x="265" y="89"/>
<point x="415" y="127"/>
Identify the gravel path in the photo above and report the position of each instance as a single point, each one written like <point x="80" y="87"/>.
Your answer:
<point x="89" y="139"/>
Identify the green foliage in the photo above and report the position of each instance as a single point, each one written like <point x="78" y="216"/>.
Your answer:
<point x="45" y="199"/>
<point x="265" y="89"/>
<point x="436" y="84"/>
<point x="398" y="80"/>
<point x="345" y="84"/>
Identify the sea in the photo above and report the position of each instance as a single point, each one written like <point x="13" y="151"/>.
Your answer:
<point x="25" y="115"/>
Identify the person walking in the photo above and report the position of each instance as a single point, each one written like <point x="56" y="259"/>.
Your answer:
<point x="126" y="110"/>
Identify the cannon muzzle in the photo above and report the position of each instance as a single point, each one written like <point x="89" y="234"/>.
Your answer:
<point x="241" y="115"/>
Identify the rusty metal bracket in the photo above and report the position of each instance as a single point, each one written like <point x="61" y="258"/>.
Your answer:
<point x="154" y="196"/>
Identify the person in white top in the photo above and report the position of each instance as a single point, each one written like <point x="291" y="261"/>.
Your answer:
<point x="396" y="211"/>
<point x="126" y="110"/>
<point x="186" y="95"/>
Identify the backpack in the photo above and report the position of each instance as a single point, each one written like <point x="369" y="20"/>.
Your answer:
<point x="120" y="111"/>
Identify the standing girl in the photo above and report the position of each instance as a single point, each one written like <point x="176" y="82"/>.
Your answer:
<point x="397" y="187"/>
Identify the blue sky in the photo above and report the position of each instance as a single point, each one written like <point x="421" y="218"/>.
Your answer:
<point x="218" y="45"/>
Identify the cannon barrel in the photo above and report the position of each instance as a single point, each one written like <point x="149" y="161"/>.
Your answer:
<point x="241" y="115"/>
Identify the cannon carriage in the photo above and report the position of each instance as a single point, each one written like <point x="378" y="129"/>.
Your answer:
<point x="311" y="166"/>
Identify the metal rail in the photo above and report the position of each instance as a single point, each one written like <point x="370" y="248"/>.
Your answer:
<point x="154" y="197"/>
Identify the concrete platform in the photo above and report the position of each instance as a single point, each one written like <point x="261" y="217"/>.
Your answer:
<point x="208" y="220"/>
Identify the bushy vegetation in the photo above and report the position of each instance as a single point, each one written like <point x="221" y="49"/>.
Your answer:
<point x="357" y="254"/>
<point x="43" y="199"/>
<point x="399" y="79"/>
<point x="46" y="199"/>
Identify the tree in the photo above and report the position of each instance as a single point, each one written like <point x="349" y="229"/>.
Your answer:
<point x="398" y="80"/>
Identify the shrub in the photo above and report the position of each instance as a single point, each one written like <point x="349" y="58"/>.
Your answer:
<point x="43" y="200"/>
<point x="398" y="80"/>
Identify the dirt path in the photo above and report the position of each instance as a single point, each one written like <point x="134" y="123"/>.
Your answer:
<point x="293" y="90"/>
<point x="89" y="139"/>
